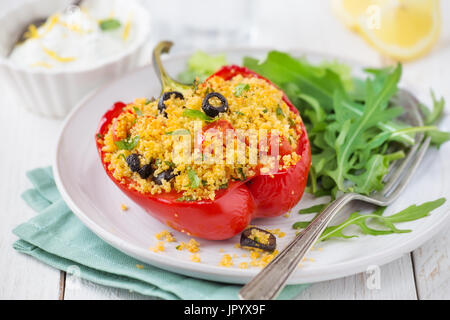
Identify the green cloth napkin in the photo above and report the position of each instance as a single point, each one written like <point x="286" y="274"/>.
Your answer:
<point x="56" y="237"/>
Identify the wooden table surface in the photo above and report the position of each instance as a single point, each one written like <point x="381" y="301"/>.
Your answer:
<point x="28" y="141"/>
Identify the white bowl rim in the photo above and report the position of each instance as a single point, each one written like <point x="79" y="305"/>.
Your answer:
<point x="144" y="25"/>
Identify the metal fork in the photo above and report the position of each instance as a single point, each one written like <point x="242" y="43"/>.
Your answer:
<point x="272" y="279"/>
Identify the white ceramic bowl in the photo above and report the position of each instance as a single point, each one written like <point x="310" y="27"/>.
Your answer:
<point x="54" y="93"/>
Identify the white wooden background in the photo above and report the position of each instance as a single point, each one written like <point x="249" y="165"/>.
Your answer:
<point x="28" y="141"/>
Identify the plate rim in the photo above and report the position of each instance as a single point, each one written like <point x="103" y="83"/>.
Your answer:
<point x="228" y="275"/>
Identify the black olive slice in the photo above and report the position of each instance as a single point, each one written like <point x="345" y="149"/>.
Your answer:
<point x="249" y="239"/>
<point x="166" y="175"/>
<point x="134" y="162"/>
<point x="166" y="96"/>
<point x="146" y="171"/>
<point x="212" y="111"/>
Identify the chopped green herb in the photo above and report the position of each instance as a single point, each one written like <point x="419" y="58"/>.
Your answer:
<point x="109" y="24"/>
<point x="240" y="89"/>
<point x="138" y="111"/>
<point x="170" y="164"/>
<point x="242" y="174"/>
<point x="128" y="143"/>
<point x="196" y="84"/>
<point x="196" y="114"/>
<point x="291" y="122"/>
<point x="239" y="113"/>
<point x="194" y="179"/>
<point x="122" y="156"/>
<point x="280" y="112"/>
<point x="224" y="186"/>
<point x="185" y="199"/>
<point x="179" y="132"/>
<point x="99" y="136"/>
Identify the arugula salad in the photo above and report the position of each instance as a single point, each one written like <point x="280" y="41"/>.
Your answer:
<point x="353" y="127"/>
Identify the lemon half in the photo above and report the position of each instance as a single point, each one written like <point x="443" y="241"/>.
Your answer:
<point x="401" y="29"/>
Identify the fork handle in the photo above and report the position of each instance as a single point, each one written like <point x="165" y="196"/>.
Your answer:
<point x="272" y="279"/>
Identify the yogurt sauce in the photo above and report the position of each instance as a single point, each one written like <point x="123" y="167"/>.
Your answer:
<point x="78" y="38"/>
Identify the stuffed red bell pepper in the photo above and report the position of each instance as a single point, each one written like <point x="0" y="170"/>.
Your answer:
<point x="209" y="193"/>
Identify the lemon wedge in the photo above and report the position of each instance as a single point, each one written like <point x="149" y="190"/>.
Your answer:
<point x="401" y="29"/>
<point x="350" y="11"/>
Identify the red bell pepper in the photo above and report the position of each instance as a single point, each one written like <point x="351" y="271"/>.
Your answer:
<point x="233" y="209"/>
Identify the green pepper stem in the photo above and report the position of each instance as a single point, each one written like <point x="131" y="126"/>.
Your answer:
<point x="166" y="81"/>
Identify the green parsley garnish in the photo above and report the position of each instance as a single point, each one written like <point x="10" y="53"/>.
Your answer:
<point x="138" y="111"/>
<point x="291" y="122"/>
<point x="170" y="164"/>
<point x="280" y="112"/>
<point x="242" y="174"/>
<point x="194" y="179"/>
<point x="122" y="156"/>
<point x="239" y="113"/>
<point x="196" y="114"/>
<point x="223" y="186"/>
<point x="110" y="24"/>
<point x="185" y="199"/>
<point x="240" y="89"/>
<point x="128" y="143"/>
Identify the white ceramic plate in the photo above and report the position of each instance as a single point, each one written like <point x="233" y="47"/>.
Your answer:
<point x="97" y="201"/>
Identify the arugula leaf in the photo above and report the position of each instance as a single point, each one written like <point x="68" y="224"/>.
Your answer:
<point x="194" y="179"/>
<point x="297" y="76"/>
<point x="314" y="209"/>
<point x="110" y="24"/>
<point x="411" y="213"/>
<point x="240" y="89"/>
<point x="351" y="123"/>
<point x="432" y="117"/>
<point x="343" y="71"/>
<point x="128" y="143"/>
<point x="197" y="114"/>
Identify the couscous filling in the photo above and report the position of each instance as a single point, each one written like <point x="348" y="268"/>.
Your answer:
<point x="141" y="146"/>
